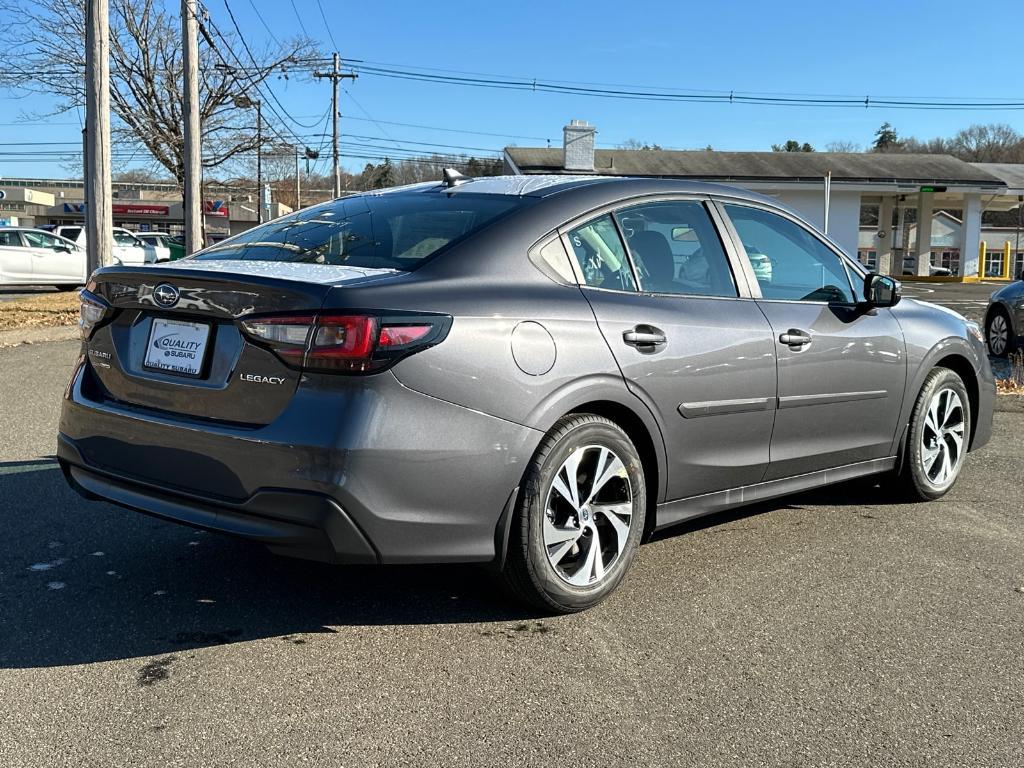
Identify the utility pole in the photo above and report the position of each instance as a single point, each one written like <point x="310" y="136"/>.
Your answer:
<point x="98" y="211"/>
<point x="259" y="160"/>
<point x="335" y="76"/>
<point x="298" y="181"/>
<point x="193" y="139"/>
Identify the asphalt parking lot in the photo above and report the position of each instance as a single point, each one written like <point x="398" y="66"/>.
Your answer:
<point x="832" y="628"/>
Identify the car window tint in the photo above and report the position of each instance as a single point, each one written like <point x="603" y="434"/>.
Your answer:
<point x="39" y="240"/>
<point x="676" y="249"/>
<point x="788" y="261"/>
<point x="71" y="233"/>
<point x="125" y="238"/>
<point x="390" y="231"/>
<point x="10" y="239"/>
<point x="601" y="255"/>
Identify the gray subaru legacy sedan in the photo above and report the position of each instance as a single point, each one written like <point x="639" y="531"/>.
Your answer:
<point x="531" y="372"/>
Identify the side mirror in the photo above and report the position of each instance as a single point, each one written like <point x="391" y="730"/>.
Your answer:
<point x="882" y="290"/>
<point x="62" y="247"/>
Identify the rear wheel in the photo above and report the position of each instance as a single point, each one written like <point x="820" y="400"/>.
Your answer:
<point x="938" y="437"/>
<point x="999" y="334"/>
<point x="65" y="287"/>
<point x="579" y="518"/>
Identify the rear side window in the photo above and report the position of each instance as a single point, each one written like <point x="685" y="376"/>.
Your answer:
<point x="71" y="233"/>
<point x="392" y="231"/>
<point x="10" y="239"/>
<point x="676" y="249"/>
<point x="601" y="256"/>
<point x="789" y="262"/>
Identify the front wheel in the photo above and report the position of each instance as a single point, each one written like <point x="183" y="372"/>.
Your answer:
<point x="579" y="517"/>
<point x="938" y="437"/>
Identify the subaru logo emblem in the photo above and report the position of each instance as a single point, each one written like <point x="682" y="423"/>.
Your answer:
<point x="165" y="295"/>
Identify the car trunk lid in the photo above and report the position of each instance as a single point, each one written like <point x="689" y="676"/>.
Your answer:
<point x="174" y="344"/>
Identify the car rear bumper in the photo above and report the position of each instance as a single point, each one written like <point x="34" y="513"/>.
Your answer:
<point x="364" y="472"/>
<point x="304" y="525"/>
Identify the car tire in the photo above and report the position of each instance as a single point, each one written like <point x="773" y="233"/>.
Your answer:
<point x="937" y="438"/>
<point x="64" y="287"/>
<point x="566" y="555"/>
<point x="999" y="335"/>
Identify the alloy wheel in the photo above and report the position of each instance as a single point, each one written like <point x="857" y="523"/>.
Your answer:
<point x="942" y="439"/>
<point x="587" y="515"/>
<point x="998" y="334"/>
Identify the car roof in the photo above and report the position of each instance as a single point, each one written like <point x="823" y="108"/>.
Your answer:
<point x="546" y="185"/>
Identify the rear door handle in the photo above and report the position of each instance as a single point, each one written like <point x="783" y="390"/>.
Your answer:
<point x="794" y="337"/>
<point x="646" y="338"/>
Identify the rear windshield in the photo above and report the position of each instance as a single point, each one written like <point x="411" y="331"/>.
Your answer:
<point x="392" y="231"/>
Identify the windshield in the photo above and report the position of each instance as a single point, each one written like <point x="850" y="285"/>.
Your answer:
<point x="391" y="231"/>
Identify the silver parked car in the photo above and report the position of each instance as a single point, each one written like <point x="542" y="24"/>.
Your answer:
<point x="535" y="373"/>
<point x="1004" y="320"/>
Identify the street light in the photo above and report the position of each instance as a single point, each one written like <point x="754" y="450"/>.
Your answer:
<point x="242" y="101"/>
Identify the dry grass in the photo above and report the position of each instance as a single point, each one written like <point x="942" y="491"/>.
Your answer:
<point x="1014" y="383"/>
<point x="49" y="310"/>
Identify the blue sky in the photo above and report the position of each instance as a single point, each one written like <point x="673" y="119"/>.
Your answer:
<point x="851" y="48"/>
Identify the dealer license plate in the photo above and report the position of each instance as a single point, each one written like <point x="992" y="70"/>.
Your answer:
<point x="176" y="346"/>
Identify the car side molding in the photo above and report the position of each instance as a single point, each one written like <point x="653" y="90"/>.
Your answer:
<point x="675" y="512"/>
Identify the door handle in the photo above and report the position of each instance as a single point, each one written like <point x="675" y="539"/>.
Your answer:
<point x="794" y="337"/>
<point x="646" y="338"/>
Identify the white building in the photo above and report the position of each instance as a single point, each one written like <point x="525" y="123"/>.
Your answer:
<point x="894" y="182"/>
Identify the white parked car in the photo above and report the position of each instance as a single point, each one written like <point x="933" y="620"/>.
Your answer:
<point x="34" y="257"/>
<point x="129" y="250"/>
<point x="158" y="240"/>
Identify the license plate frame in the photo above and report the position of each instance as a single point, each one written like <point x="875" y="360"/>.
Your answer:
<point x="194" y="331"/>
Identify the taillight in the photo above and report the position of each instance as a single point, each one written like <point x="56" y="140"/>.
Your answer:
<point x="93" y="311"/>
<point x="287" y="336"/>
<point x="346" y="343"/>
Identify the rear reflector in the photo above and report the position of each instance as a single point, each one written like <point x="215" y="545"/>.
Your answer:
<point x="346" y="343"/>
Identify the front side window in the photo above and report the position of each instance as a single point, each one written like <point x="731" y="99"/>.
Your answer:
<point x="40" y="240"/>
<point x="789" y="262"/>
<point x="601" y="256"/>
<point x="126" y="238"/>
<point x="676" y="249"/>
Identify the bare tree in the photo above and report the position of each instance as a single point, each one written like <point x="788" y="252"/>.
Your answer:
<point x="994" y="143"/>
<point x="44" y="53"/>
<point x="843" y="146"/>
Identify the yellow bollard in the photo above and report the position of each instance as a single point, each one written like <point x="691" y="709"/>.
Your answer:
<point x="982" y="252"/>
<point x="1006" y="260"/>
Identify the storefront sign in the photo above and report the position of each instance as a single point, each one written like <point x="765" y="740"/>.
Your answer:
<point x="215" y="208"/>
<point x="137" y="209"/>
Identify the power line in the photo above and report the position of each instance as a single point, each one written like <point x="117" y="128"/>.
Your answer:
<point x="327" y="26"/>
<point x="299" y="19"/>
<point x="264" y="23"/>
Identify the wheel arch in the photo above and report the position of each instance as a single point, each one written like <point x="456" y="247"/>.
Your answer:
<point x="963" y="368"/>
<point x="640" y="436"/>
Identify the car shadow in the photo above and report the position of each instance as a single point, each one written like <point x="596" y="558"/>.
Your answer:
<point x="84" y="582"/>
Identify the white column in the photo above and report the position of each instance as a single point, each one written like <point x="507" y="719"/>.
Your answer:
<point x="923" y="247"/>
<point x="883" y="238"/>
<point x="970" y="237"/>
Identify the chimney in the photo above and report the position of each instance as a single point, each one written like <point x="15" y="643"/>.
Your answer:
<point x="578" y="146"/>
